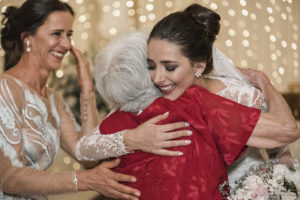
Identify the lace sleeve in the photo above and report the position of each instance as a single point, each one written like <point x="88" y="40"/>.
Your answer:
<point x="243" y="93"/>
<point x="10" y="124"/>
<point x="97" y="146"/>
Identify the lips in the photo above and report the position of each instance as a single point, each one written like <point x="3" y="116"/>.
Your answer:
<point x="57" y="54"/>
<point x="167" y="88"/>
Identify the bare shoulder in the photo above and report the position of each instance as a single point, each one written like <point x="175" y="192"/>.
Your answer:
<point x="215" y="85"/>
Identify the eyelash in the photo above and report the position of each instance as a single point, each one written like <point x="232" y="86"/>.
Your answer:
<point x="171" y="68"/>
<point x="57" y="34"/>
<point x="150" y="67"/>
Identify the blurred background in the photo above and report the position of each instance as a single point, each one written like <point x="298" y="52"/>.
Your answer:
<point x="258" y="34"/>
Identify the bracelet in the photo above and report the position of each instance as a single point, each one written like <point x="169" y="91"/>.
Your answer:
<point x="75" y="181"/>
<point x="84" y="101"/>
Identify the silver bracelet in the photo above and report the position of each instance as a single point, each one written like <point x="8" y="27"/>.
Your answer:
<point x="75" y="181"/>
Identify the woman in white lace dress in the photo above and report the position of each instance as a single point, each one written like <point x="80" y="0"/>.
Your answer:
<point x="35" y="121"/>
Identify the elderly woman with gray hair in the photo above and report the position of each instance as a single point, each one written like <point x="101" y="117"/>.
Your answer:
<point x="221" y="128"/>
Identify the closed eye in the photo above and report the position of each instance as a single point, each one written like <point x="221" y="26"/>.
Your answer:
<point x="171" y="68"/>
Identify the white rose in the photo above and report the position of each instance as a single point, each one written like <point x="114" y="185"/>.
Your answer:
<point x="289" y="196"/>
<point x="280" y="169"/>
<point x="242" y="194"/>
<point x="252" y="182"/>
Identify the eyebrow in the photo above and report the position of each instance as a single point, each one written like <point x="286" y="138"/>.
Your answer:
<point x="62" y="30"/>
<point x="163" y="61"/>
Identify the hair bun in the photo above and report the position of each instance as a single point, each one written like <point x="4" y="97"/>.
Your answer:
<point x="205" y="17"/>
<point x="10" y="31"/>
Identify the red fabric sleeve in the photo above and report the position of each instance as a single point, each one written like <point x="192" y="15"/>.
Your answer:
<point x="231" y="123"/>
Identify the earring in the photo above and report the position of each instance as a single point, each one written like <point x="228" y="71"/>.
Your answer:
<point x="198" y="73"/>
<point x="28" y="49"/>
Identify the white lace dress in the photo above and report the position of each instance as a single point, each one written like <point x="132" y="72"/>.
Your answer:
<point x="31" y="130"/>
<point x="29" y="134"/>
<point x="243" y="93"/>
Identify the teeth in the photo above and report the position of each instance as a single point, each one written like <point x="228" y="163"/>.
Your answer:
<point x="168" y="87"/>
<point x="55" y="53"/>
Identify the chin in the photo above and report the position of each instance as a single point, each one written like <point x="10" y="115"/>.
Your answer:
<point x="172" y="98"/>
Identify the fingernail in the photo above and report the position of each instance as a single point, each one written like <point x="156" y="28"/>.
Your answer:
<point x="187" y="142"/>
<point x="180" y="154"/>
<point x="137" y="194"/>
<point x="133" y="180"/>
<point x="166" y="113"/>
<point x="189" y="132"/>
<point x="186" y="124"/>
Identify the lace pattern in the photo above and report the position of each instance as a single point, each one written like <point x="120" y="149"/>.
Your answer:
<point x="29" y="127"/>
<point x="98" y="146"/>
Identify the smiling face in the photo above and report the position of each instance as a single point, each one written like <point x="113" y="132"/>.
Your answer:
<point x="52" y="40"/>
<point x="170" y="71"/>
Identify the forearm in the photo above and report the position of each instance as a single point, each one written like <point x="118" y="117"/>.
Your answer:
<point x="277" y="104"/>
<point x="89" y="112"/>
<point x="28" y="181"/>
<point x="271" y="132"/>
<point x="97" y="146"/>
<point x="278" y="127"/>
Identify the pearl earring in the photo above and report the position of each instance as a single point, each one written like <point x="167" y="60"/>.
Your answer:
<point x="198" y="73"/>
<point x="28" y="49"/>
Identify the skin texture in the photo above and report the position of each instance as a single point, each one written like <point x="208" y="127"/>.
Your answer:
<point x="170" y="71"/>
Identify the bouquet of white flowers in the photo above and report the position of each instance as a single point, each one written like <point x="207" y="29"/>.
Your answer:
<point x="267" y="181"/>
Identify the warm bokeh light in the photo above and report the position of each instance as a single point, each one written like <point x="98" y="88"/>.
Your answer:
<point x="258" y="34"/>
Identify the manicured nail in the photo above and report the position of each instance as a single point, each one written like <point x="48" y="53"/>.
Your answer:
<point x="187" y="142"/>
<point x="186" y="124"/>
<point x="137" y="194"/>
<point x="189" y="132"/>
<point x="133" y="180"/>
<point x="180" y="154"/>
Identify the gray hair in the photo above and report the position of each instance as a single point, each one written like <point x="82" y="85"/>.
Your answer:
<point x="121" y="73"/>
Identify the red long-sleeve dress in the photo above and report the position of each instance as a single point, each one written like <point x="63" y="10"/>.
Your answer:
<point x="221" y="129"/>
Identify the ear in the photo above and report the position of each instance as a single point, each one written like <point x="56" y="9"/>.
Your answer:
<point x="199" y="66"/>
<point x="25" y="36"/>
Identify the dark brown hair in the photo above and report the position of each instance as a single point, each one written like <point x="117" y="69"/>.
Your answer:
<point x="28" y="18"/>
<point x="194" y="30"/>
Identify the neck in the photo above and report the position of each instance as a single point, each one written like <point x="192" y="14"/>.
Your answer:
<point x="31" y="74"/>
<point x="202" y="82"/>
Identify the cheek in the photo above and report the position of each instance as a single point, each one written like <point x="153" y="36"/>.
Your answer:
<point x="151" y="73"/>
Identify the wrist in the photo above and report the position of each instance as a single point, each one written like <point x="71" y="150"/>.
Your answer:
<point x="128" y="140"/>
<point x="81" y="178"/>
<point x="85" y="101"/>
<point x="87" y="92"/>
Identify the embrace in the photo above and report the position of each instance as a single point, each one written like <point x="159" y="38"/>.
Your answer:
<point x="186" y="124"/>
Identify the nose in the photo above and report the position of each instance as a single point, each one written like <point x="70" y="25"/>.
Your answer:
<point x="158" y="76"/>
<point x="66" y="42"/>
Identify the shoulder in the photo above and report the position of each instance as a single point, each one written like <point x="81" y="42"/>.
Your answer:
<point x="11" y="89"/>
<point x="8" y="81"/>
<point x="117" y="121"/>
<point x="215" y="85"/>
